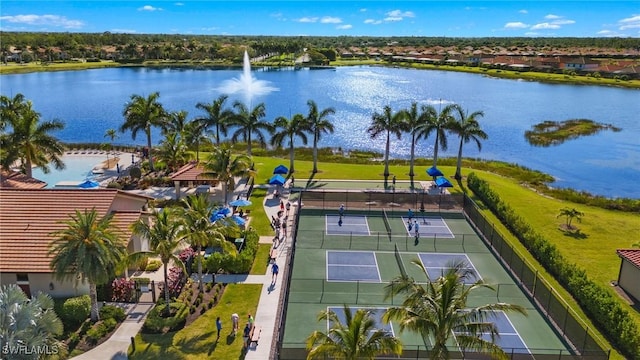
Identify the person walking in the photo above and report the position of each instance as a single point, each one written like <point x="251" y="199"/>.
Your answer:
<point x="416" y="228"/>
<point x="288" y="207"/>
<point x="409" y="226"/>
<point x="281" y="205"/>
<point x="234" y="321"/>
<point x="410" y="215"/>
<point x="341" y="210"/>
<point x="218" y="326"/>
<point x="246" y="333"/>
<point x="274" y="272"/>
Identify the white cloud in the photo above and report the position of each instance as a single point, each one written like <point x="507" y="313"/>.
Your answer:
<point x="523" y="11"/>
<point x="545" y="26"/>
<point x="611" y="33"/>
<point x="552" y="17"/>
<point x="632" y="22"/>
<point x="373" y="22"/>
<point x="330" y="20"/>
<point x="392" y="18"/>
<point x="149" y="8"/>
<point x="363" y="10"/>
<point x="400" y="14"/>
<point x="563" y="22"/>
<point x="307" y="19"/>
<point x="179" y="4"/>
<point x="44" y="20"/>
<point x="123" y="31"/>
<point x="515" y="25"/>
<point x="344" y="27"/>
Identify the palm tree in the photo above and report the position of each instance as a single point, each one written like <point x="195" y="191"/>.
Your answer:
<point x="199" y="231"/>
<point x="10" y="109"/>
<point x="417" y="125"/>
<point x="112" y="135"/>
<point x="165" y="240"/>
<point x="356" y="339"/>
<point x="173" y="151"/>
<point x="88" y="249"/>
<point x="318" y="124"/>
<point x="141" y="114"/>
<point x="222" y="166"/>
<point x="175" y="122"/>
<point x="570" y="214"/>
<point x="249" y="124"/>
<point x="288" y="129"/>
<point x="217" y="116"/>
<point x="194" y="136"/>
<point x="31" y="141"/>
<point x="438" y="309"/>
<point x="28" y="323"/>
<point x="467" y="127"/>
<point x="439" y="124"/>
<point x="388" y="123"/>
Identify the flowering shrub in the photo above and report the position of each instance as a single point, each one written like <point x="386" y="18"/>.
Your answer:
<point x="176" y="280"/>
<point x="186" y="256"/>
<point x="122" y="290"/>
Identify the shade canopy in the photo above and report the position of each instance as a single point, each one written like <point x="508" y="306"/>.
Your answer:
<point x="240" y="202"/>
<point x="443" y="182"/>
<point x="88" y="184"/>
<point x="280" y="169"/>
<point x="277" y="180"/>
<point x="434" y="171"/>
<point x="217" y="216"/>
<point x="223" y="211"/>
<point x="238" y="220"/>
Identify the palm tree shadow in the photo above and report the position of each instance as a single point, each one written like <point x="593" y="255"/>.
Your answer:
<point x="575" y="234"/>
<point x="310" y="181"/>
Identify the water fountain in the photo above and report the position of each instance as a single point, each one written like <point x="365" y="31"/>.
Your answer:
<point x="246" y="84"/>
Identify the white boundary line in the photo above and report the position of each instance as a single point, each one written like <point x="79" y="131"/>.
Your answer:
<point x="327" y="265"/>
<point x="366" y="223"/>
<point x="448" y="234"/>
<point x="497" y="312"/>
<point x="477" y="273"/>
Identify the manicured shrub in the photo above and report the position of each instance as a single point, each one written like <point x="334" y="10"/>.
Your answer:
<point x="122" y="290"/>
<point x="75" y="310"/>
<point x="153" y="265"/>
<point x="97" y="332"/>
<point x="112" y="312"/>
<point x="156" y="323"/>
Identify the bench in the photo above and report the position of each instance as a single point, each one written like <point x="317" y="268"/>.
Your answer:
<point x="255" y="335"/>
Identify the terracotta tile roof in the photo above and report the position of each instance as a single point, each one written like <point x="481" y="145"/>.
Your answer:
<point x="190" y="172"/>
<point x="28" y="217"/>
<point x="17" y="180"/>
<point x="631" y="255"/>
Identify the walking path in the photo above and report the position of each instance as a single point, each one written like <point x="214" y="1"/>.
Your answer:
<point x="117" y="345"/>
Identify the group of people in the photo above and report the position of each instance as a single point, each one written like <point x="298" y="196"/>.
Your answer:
<point x="235" y="319"/>
<point x="413" y="224"/>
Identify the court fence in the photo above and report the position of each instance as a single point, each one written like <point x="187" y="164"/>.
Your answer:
<point x="581" y="339"/>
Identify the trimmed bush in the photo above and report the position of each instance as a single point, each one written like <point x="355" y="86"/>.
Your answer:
<point x="238" y="264"/>
<point x="75" y="310"/>
<point x="97" y="332"/>
<point x="153" y="265"/>
<point x="156" y="323"/>
<point x="112" y="312"/>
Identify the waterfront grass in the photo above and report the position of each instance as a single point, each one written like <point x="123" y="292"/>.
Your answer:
<point x="15" y="68"/>
<point x="549" y="133"/>
<point x="198" y="340"/>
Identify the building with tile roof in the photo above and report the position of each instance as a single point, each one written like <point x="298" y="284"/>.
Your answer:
<point x="29" y="216"/>
<point x="18" y="180"/>
<point x="630" y="271"/>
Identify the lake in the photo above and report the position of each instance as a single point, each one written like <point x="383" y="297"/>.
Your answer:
<point x="607" y="163"/>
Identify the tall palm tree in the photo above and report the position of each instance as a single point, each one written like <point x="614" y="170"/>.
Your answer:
<point x="175" y="122"/>
<point x="112" y="135"/>
<point x="28" y="323"/>
<point x="438" y="309"/>
<point x="217" y="116"/>
<point x="88" y="249"/>
<point x="222" y="166"/>
<point x="289" y="129"/>
<point x="417" y="124"/>
<point x="141" y="114"/>
<point x="570" y="214"/>
<point x="318" y="125"/>
<point x="31" y="141"/>
<point x="199" y="231"/>
<point x="467" y="127"/>
<point x="173" y="151"/>
<point x="194" y="136"/>
<point x="165" y="241"/>
<point x="356" y="339"/>
<point x="10" y="109"/>
<point x="249" y="124"/>
<point x="439" y="125"/>
<point x="387" y="123"/>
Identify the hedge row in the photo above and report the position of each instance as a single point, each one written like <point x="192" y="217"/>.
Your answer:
<point x="598" y="302"/>
<point x="155" y="323"/>
<point x="232" y="263"/>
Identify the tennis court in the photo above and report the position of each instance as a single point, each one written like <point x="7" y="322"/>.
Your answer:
<point x="332" y="268"/>
<point x="428" y="226"/>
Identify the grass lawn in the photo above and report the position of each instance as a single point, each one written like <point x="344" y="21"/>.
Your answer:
<point x="14" y="68"/>
<point x="261" y="263"/>
<point x="198" y="340"/>
<point x="259" y="220"/>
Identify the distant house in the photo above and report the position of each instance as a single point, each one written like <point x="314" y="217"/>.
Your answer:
<point x="630" y="271"/>
<point x="29" y="216"/>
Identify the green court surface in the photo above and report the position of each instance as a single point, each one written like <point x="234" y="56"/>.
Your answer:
<point x="330" y="270"/>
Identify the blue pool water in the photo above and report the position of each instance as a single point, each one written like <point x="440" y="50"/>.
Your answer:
<point x="78" y="168"/>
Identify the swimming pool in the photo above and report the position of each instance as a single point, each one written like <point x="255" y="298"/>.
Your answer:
<point x="77" y="168"/>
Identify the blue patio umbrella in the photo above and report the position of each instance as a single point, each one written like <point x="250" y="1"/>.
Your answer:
<point x="238" y="220"/>
<point x="217" y="216"/>
<point x="240" y="202"/>
<point x="434" y="171"/>
<point x="88" y="184"/>
<point x="277" y="180"/>
<point x="224" y="211"/>
<point x="442" y="182"/>
<point x="280" y="169"/>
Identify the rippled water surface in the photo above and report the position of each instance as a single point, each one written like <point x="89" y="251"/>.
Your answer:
<point x="607" y="163"/>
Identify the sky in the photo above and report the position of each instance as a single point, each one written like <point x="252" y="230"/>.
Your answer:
<point x="451" y="18"/>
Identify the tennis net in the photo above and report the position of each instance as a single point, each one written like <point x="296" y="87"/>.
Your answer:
<point x="403" y="271"/>
<point x="385" y="218"/>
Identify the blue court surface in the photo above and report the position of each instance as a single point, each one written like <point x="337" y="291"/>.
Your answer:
<point x="437" y="263"/>
<point x="428" y="226"/>
<point x="376" y="315"/>
<point x="346" y="225"/>
<point x="352" y="266"/>
<point x="508" y="337"/>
